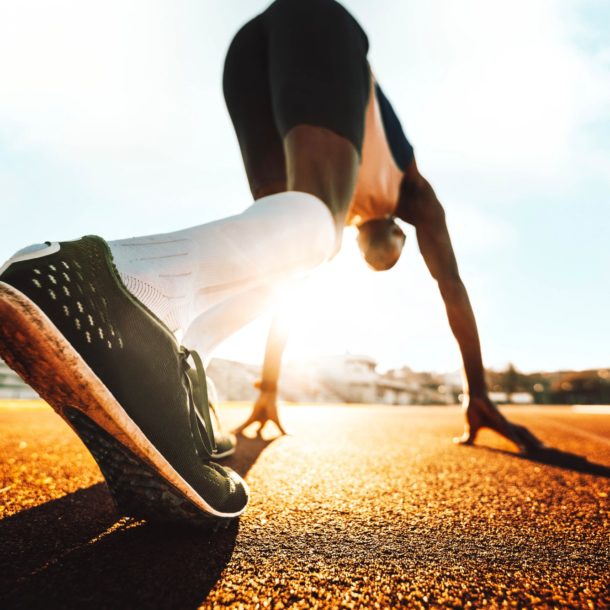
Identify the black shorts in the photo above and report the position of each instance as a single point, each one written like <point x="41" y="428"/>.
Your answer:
<point x="301" y="62"/>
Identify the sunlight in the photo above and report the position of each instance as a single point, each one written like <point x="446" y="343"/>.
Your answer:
<point x="344" y="306"/>
<point x="322" y="311"/>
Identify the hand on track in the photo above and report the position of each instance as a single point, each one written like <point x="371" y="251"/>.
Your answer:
<point x="265" y="410"/>
<point x="481" y="412"/>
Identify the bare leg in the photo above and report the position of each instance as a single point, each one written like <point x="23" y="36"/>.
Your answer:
<point x="324" y="164"/>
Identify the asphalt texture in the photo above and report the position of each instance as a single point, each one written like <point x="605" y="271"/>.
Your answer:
<point x="362" y="506"/>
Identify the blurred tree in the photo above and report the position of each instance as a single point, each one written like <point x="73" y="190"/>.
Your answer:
<point x="510" y="381"/>
<point x="583" y="387"/>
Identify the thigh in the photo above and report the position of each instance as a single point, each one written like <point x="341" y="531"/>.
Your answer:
<point x="248" y="98"/>
<point x="318" y="70"/>
<point x="319" y="81"/>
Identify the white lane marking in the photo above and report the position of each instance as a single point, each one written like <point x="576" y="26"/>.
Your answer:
<point x="571" y="428"/>
<point x="592" y="409"/>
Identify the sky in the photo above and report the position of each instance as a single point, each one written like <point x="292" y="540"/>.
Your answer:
<point x="112" y="122"/>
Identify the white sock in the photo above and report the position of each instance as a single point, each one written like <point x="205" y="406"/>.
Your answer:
<point x="180" y="275"/>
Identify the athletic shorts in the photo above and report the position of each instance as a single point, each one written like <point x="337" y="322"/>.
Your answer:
<point x="299" y="62"/>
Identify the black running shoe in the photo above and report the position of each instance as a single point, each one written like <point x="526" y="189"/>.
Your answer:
<point x="115" y="373"/>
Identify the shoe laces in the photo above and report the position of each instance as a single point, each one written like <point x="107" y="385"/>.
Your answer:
<point x="199" y="405"/>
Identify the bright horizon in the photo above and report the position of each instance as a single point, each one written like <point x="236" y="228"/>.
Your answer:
<point x="112" y="122"/>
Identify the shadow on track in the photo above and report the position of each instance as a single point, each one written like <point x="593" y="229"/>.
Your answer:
<point x="73" y="552"/>
<point x="248" y="450"/>
<point x="551" y="456"/>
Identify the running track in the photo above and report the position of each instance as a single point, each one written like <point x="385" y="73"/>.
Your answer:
<point x="361" y="506"/>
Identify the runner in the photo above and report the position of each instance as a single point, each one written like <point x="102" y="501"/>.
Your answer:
<point x="299" y="73"/>
<point x="92" y="325"/>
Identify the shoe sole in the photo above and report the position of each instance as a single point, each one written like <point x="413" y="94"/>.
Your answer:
<point x="137" y="490"/>
<point x="33" y="346"/>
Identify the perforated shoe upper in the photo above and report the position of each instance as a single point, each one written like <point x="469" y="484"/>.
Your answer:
<point x="130" y="350"/>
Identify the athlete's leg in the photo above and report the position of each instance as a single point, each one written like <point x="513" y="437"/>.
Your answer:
<point x="248" y="97"/>
<point x="298" y="132"/>
<point x="296" y="86"/>
<point x="180" y="275"/>
<point x="320" y="162"/>
<point x="319" y="81"/>
<point x="288" y="229"/>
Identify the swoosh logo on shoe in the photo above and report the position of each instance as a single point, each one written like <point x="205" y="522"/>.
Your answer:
<point x="27" y="254"/>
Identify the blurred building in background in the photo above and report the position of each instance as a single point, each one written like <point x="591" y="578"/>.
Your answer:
<point x="349" y="378"/>
<point x="355" y="378"/>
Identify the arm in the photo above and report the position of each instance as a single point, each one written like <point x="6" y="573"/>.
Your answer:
<point x="265" y="408"/>
<point x="428" y="217"/>
<point x="420" y="207"/>
<point x="274" y="350"/>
